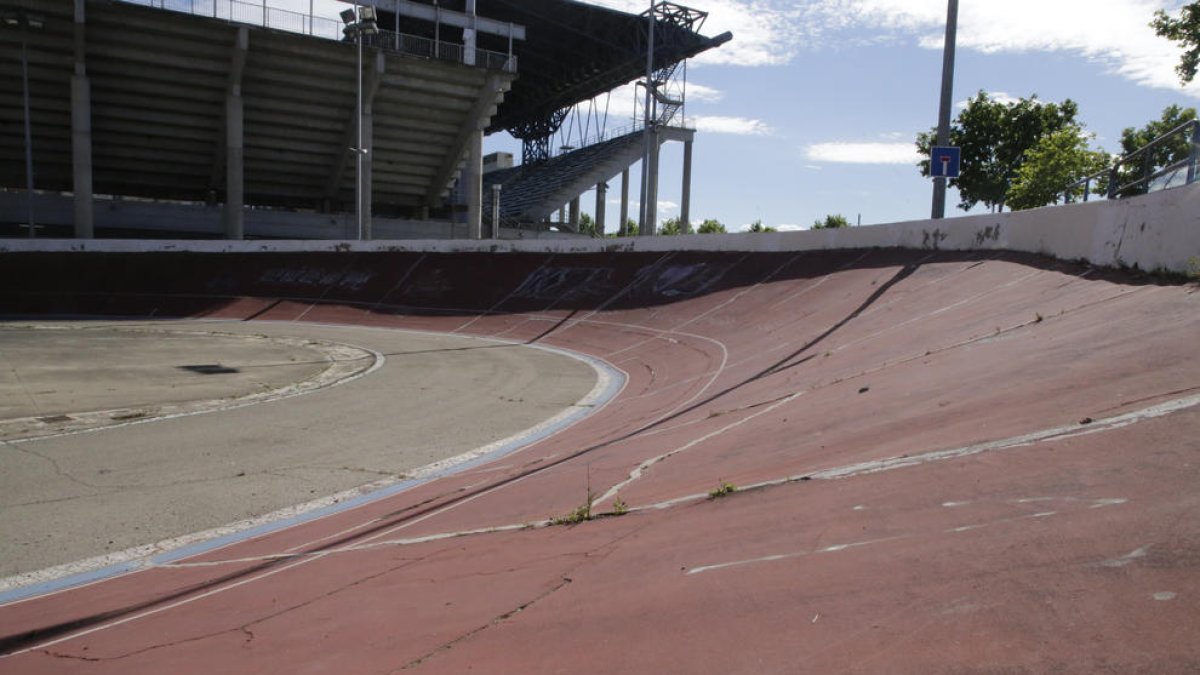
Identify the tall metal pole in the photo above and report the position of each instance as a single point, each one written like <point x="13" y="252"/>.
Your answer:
<point x="28" y="129"/>
<point x="645" y="227"/>
<point x="358" y="150"/>
<point x="943" y="133"/>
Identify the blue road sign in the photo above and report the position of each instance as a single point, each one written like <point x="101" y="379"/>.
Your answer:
<point x="945" y="161"/>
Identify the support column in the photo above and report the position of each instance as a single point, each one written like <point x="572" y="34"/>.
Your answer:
<point x="651" y="225"/>
<point x="601" y="195"/>
<point x="575" y="214"/>
<point x="234" y="216"/>
<point x="624" y="201"/>
<point x="685" y="201"/>
<point x="368" y="161"/>
<point x="469" y="36"/>
<point x="473" y="184"/>
<point x="81" y="132"/>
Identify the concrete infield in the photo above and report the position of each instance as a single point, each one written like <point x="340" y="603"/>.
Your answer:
<point x="192" y="449"/>
<point x="937" y="462"/>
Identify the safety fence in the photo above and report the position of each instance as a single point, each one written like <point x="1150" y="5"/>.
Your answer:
<point x="1170" y="160"/>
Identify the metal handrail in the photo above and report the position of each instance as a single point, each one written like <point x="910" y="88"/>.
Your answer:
<point x="1148" y="174"/>
<point x="261" y="13"/>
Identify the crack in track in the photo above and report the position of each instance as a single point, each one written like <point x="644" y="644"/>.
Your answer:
<point x="565" y="579"/>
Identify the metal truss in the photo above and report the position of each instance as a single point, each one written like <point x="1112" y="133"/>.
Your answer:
<point x="535" y="136"/>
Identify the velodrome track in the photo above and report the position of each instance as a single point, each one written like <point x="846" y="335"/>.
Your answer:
<point x="944" y="462"/>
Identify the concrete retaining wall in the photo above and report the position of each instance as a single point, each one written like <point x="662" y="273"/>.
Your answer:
<point x="1159" y="231"/>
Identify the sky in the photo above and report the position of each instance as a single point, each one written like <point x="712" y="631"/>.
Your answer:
<point x="813" y="107"/>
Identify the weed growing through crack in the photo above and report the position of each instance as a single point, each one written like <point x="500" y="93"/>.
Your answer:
<point x="583" y="511"/>
<point x="725" y="488"/>
<point x="580" y="514"/>
<point x="619" y="507"/>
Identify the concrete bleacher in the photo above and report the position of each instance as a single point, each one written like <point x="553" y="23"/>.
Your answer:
<point x="160" y="84"/>
<point x="530" y="193"/>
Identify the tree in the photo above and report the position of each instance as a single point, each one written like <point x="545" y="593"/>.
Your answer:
<point x="1059" y="159"/>
<point x="757" y="226"/>
<point x="832" y="221"/>
<point x="629" y="229"/>
<point x="711" y="226"/>
<point x="587" y="225"/>
<point x="672" y="226"/>
<point x="1175" y="150"/>
<point x="994" y="136"/>
<point x="1186" y="31"/>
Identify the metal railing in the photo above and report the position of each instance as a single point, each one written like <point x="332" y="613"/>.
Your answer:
<point x="1139" y="172"/>
<point x="605" y="135"/>
<point x="264" y="13"/>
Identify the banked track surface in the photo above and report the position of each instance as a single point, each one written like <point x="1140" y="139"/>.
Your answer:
<point x="945" y="463"/>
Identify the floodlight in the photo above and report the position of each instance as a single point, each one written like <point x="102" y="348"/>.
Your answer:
<point x="366" y="14"/>
<point x="347" y="16"/>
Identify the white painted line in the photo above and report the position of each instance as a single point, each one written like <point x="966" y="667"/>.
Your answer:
<point x="640" y="469"/>
<point x="785" y="556"/>
<point x="1055" y="433"/>
<point x="1124" y="560"/>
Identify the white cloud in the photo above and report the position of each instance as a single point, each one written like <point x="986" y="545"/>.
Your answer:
<point x="843" y="152"/>
<point x="664" y="205"/>
<point x="720" y="124"/>
<point x="789" y="227"/>
<point x="699" y="93"/>
<point x="998" y="96"/>
<point x="1116" y="33"/>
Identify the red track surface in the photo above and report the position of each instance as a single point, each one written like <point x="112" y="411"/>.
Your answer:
<point x="946" y="464"/>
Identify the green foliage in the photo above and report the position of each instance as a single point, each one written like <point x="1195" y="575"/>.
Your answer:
<point x="619" y="507"/>
<point x="581" y="513"/>
<point x="711" y="226"/>
<point x="1175" y="150"/>
<point x="629" y="229"/>
<point x="587" y="225"/>
<point x="994" y="136"/>
<point x="722" y="489"/>
<point x="1186" y="31"/>
<point x="757" y="226"/>
<point x="672" y="226"/>
<point x="1059" y="159"/>
<point x="832" y="222"/>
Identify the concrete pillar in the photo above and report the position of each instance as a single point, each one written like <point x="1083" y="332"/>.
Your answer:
<point x="81" y="131"/>
<point x="469" y="36"/>
<point x="624" y="200"/>
<point x="368" y="161"/>
<point x="473" y="185"/>
<point x="601" y="195"/>
<point x="575" y="214"/>
<point x="81" y="156"/>
<point x="233" y="217"/>
<point x="651" y="209"/>
<point x="496" y="211"/>
<point x="685" y="201"/>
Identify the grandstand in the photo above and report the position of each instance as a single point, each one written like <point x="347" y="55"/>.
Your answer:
<point x="233" y="118"/>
